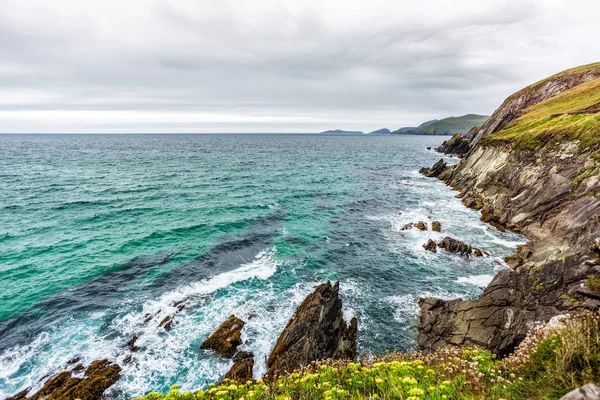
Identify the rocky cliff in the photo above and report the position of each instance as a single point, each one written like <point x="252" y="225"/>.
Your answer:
<point x="534" y="168"/>
<point x="316" y="332"/>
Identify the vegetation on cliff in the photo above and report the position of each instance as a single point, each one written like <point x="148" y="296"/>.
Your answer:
<point x="552" y="361"/>
<point x="573" y="114"/>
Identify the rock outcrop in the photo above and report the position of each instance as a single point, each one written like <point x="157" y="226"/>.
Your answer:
<point x="436" y="170"/>
<point x="549" y="194"/>
<point x="457" y="144"/>
<point x="226" y="339"/>
<point x="508" y="308"/>
<point x="587" y="392"/>
<point x="420" y="225"/>
<point x="436" y="226"/>
<point x="431" y="245"/>
<point x="455" y="246"/>
<point x="98" y="377"/>
<point x="316" y="332"/>
<point x="241" y="371"/>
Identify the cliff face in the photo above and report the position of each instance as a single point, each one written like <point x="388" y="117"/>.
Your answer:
<point x="547" y="190"/>
<point x="316" y="332"/>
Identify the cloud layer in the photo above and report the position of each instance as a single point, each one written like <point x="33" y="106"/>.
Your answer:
<point x="275" y="66"/>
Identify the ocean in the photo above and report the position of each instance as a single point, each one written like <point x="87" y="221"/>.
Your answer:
<point x="103" y="236"/>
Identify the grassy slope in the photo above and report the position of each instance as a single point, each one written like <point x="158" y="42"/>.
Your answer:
<point x="536" y="126"/>
<point x="549" y="363"/>
<point x="449" y="125"/>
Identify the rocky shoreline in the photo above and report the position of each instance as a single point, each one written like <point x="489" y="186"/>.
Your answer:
<point x="549" y="195"/>
<point x="316" y="332"/>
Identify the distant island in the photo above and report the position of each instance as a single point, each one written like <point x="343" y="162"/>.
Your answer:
<point x="446" y="126"/>
<point x="382" y="131"/>
<point x="341" y="132"/>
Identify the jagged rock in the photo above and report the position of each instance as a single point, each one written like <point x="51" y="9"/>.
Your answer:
<point x="166" y="323"/>
<point x="316" y="332"/>
<point x="98" y="377"/>
<point x="455" y="145"/>
<point x="477" y="252"/>
<point x="420" y="225"/>
<point x="226" y="339"/>
<point x="241" y="371"/>
<point x="512" y="303"/>
<point x="436" y="226"/>
<point x="431" y="246"/>
<point x="587" y="392"/>
<point x="436" y="170"/>
<point x="131" y="344"/>
<point x="455" y="246"/>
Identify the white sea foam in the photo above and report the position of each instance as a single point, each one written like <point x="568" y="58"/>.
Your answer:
<point x="477" y="280"/>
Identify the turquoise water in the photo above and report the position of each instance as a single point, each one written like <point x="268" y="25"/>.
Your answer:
<point x="102" y="236"/>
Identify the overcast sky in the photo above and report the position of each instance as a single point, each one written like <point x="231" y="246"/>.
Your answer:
<point x="276" y="66"/>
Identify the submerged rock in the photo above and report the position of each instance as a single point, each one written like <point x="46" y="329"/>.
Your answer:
<point x="431" y="246"/>
<point x="226" y="339"/>
<point x="316" y="332"/>
<point x="455" y="246"/>
<point x="241" y="370"/>
<point x="98" y="377"/>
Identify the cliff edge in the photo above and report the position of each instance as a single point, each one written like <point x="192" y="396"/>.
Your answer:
<point x="534" y="168"/>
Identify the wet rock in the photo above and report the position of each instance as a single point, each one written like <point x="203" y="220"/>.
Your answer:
<point x="73" y="360"/>
<point x="226" y="339"/>
<point x="420" y="225"/>
<point x="316" y="332"/>
<point x="19" y="396"/>
<point x="241" y="371"/>
<point x="98" y="377"/>
<point x="455" y="145"/>
<point x="587" y="392"/>
<point x="455" y="246"/>
<point x="131" y="344"/>
<point x="166" y="323"/>
<point x="477" y="252"/>
<point x="436" y="226"/>
<point x="436" y="170"/>
<point x="431" y="246"/>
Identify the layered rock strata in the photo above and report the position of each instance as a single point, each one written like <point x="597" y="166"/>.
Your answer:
<point x="316" y="332"/>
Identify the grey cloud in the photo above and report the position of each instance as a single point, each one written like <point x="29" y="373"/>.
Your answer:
<point x="356" y="72"/>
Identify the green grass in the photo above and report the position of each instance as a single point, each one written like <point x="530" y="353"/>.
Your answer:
<point x="537" y="127"/>
<point x="549" y="363"/>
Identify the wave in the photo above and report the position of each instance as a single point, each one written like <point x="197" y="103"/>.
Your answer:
<point x="477" y="280"/>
